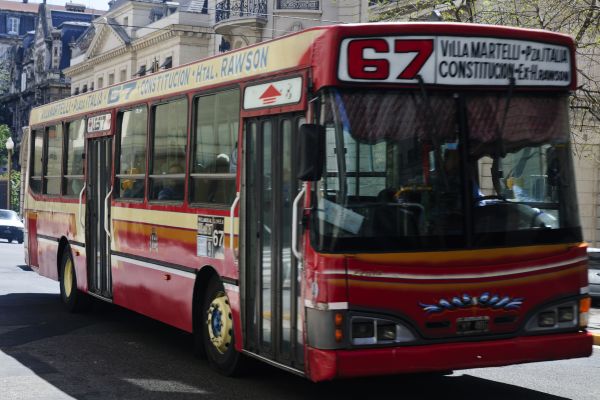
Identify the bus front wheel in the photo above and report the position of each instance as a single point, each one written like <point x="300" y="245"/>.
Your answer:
<point x="72" y="298"/>
<point x="218" y="332"/>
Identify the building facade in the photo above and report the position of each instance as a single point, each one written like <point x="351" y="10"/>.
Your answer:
<point x="34" y="63"/>
<point x="135" y="38"/>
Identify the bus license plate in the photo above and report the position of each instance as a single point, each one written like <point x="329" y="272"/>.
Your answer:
<point x="471" y="325"/>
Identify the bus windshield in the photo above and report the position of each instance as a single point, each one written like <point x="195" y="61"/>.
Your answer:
<point x="427" y="170"/>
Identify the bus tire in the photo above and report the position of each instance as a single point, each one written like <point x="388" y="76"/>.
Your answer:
<point x="72" y="298"/>
<point x="218" y="335"/>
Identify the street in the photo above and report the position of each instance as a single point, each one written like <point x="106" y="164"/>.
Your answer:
<point x="111" y="353"/>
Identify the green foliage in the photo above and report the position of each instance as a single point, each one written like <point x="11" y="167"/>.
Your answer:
<point x="4" y="134"/>
<point x="15" y="190"/>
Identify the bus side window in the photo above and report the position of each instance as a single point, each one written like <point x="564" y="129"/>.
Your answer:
<point x="54" y="148"/>
<point x="214" y="143"/>
<point x="131" y="170"/>
<point x="169" y="139"/>
<point x="37" y="161"/>
<point x="75" y="138"/>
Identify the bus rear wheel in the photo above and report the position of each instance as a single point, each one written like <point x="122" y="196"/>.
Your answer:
<point x="218" y="334"/>
<point x="72" y="298"/>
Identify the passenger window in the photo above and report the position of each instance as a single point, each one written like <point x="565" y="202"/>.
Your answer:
<point x="54" y="159"/>
<point x="37" y="161"/>
<point x="168" y="151"/>
<point x="74" y="158"/>
<point x="214" y="158"/>
<point x="132" y="159"/>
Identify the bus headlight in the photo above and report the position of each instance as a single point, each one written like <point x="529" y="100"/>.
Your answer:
<point x="367" y="330"/>
<point x="560" y="316"/>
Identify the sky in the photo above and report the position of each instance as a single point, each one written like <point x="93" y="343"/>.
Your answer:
<point x="95" y="4"/>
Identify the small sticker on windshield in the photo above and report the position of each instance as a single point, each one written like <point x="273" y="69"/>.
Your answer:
<point x="341" y="217"/>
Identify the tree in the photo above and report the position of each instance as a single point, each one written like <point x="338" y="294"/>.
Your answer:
<point x="578" y="18"/>
<point x="4" y="135"/>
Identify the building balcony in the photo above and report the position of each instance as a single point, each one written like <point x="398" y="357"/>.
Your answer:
<point x="235" y="13"/>
<point x="298" y="5"/>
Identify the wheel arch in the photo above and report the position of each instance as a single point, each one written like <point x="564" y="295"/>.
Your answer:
<point x="203" y="277"/>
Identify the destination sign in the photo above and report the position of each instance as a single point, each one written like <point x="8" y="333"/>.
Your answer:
<point x="452" y="60"/>
<point x="99" y="123"/>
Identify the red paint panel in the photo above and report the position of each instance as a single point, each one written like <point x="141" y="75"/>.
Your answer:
<point x="148" y="292"/>
<point x="443" y="357"/>
<point x="408" y="298"/>
<point x="48" y="264"/>
<point x="56" y="224"/>
<point x="80" y="262"/>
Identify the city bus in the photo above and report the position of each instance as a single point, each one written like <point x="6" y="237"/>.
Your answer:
<point x="345" y="201"/>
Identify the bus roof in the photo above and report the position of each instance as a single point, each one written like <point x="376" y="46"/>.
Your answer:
<point x="332" y="52"/>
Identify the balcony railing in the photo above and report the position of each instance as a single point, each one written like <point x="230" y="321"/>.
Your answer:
<point x="297" y="4"/>
<point x="228" y="9"/>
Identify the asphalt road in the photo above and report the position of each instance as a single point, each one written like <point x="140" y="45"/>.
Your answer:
<point x="111" y="353"/>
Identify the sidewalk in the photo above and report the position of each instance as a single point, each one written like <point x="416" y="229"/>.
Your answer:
<point x="594" y="325"/>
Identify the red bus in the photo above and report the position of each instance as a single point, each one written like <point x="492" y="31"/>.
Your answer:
<point x="344" y="201"/>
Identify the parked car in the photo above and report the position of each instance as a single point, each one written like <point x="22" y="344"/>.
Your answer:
<point x="594" y="272"/>
<point x="11" y="227"/>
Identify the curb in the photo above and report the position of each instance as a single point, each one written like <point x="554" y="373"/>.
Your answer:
<point x="596" y="337"/>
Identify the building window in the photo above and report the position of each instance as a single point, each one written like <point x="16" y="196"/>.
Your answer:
<point x="123" y="76"/>
<point x="168" y="63"/>
<point x="13" y="26"/>
<point x="298" y="4"/>
<point x="111" y="79"/>
<point x="100" y="82"/>
<point x="126" y="22"/>
<point x="141" y="71"/>
<point x="84" y="89"/>
<point x="76" y="92"/>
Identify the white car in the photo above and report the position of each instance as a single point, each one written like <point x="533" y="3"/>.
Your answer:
<point x="11" y="227"/>
<point x="594" y="272"/>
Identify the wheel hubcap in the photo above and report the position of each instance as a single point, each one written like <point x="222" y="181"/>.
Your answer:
<point x="68" y="278"/>
<point x="219" y="323"/>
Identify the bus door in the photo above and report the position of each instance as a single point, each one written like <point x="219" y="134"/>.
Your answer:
<point x="99" y="190"/>
<point x="272" y="287"/>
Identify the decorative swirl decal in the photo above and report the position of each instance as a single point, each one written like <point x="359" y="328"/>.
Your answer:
<point x="465" y="301"/>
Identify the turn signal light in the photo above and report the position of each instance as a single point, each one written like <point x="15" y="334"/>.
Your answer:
<point x="339" y="318"/>
<point x="585" y="304"/>
<point x="584" y="307"/>
<point x="338" y="335"/>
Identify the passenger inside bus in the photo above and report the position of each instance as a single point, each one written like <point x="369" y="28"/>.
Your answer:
<point x="172" y="188"/>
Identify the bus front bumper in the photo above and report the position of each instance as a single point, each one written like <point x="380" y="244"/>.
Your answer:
<point x="332" y="364"/>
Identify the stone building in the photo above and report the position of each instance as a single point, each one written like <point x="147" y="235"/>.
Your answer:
<point x="35" y="62"/>
<point x="138" y="37"/>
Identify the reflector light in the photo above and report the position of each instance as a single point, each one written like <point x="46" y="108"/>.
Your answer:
<point x="339" y="318"/>
<point x="338" y="335"/>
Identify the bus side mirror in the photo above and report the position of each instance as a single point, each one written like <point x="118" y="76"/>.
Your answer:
<point x="311" y="141"/>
